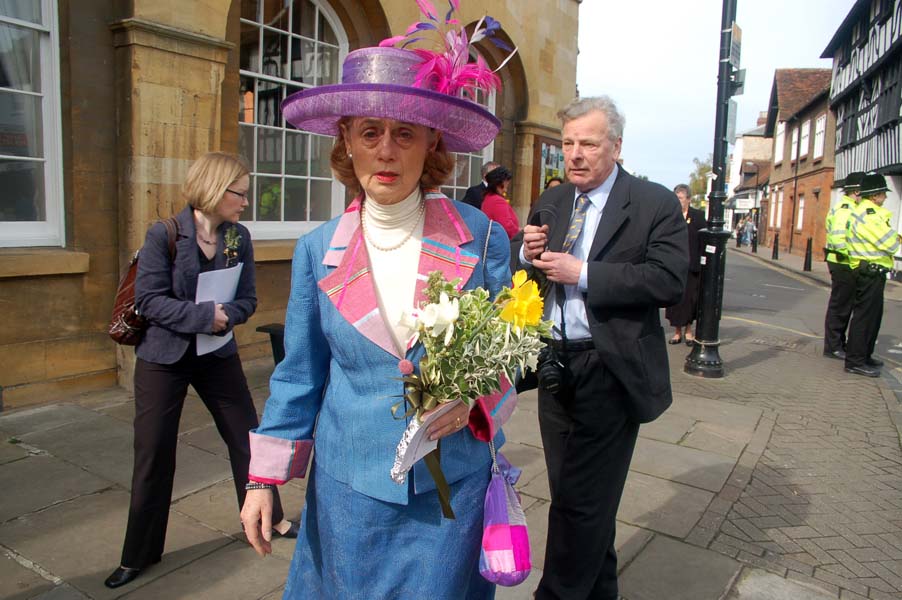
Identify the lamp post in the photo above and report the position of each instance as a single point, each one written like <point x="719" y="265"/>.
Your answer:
<point x="704" y="360"/>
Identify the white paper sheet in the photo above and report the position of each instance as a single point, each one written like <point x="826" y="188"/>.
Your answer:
<point x="415" y="444"/>
<point x="217" y="286"/>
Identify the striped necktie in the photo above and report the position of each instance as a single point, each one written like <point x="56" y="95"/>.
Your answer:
<point x="576" y="222"/>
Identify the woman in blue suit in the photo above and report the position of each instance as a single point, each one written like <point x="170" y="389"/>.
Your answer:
<point x="363" y="535"/>
<point x="208" y="237"/>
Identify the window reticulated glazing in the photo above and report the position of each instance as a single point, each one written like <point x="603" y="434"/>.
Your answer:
<point x="286" y="46"/>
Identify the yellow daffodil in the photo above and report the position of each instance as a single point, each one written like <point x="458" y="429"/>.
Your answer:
<point x="525" y="306"/>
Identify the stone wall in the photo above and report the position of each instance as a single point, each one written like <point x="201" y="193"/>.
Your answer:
<point x="147" y="86"/>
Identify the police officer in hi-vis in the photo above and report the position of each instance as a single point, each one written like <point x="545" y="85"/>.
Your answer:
<point x="842" y="289"/>
<point x="872" y="243"/>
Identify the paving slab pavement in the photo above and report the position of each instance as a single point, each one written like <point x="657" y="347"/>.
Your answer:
<point x="697" y="474"/>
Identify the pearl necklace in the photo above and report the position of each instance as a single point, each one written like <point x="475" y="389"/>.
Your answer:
<point x="407" y="237"/>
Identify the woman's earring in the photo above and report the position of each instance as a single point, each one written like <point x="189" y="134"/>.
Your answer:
<point x="350" y="155"/>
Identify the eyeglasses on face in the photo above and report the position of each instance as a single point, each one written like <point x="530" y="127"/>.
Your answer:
<point x="242" y="195"/>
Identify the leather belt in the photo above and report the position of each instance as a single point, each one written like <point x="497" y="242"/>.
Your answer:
<point x="570" y="345"/>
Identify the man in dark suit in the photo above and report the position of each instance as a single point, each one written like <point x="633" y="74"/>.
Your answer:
<point x="475" y="194"/>
<point x="613" y="248"/>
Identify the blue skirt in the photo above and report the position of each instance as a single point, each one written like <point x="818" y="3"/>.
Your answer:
<point x="353" y="546"/>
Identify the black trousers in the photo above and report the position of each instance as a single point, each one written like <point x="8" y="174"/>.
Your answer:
<point x="867" y="314"/>
<point x="839" y="307"/>
<point x="589" y="441"/>
<point x="159" y="396"/>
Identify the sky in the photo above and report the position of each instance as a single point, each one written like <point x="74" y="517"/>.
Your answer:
<point x="658" y="60"/>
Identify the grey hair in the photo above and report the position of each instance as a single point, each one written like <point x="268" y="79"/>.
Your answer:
<point x="682" y="187"/>
<point x="489" y="166"/>
<point x="582" y="106"/>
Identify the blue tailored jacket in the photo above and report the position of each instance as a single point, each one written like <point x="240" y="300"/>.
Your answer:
<point x="340" y="376"/>
<point x="165" y="290"/>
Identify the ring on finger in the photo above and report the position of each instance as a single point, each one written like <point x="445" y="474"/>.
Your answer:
<point x="457" y="423"/>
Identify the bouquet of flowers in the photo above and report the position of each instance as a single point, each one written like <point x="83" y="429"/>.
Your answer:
<point x="471" y="342"/>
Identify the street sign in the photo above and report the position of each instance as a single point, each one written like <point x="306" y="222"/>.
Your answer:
<point x="735" y="46"/>
<point x="731" y="121"/>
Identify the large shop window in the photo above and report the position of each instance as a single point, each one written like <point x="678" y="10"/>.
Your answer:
<point x="287" y="46"/>
<point x="31" y="202"/>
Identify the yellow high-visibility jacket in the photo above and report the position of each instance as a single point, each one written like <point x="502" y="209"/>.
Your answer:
<point x="870" y="236"/>
<point x="837" y="225"/>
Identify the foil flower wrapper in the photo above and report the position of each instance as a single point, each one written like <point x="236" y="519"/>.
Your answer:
<point x="415" y="443"/>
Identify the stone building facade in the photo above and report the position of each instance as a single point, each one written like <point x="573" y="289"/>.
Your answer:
<point x="109" y="103"/>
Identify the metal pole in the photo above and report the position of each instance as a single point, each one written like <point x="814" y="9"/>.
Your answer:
<point x="704" y="360"/>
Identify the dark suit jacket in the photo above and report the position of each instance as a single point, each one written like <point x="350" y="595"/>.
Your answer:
<point x="474" y="195"/>
<point x="165" y="291"/>
<point x="695" y="223"/>
<point x="638" y="263"/>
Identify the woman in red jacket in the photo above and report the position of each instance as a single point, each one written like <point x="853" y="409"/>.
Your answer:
<point x="495" y="204"/>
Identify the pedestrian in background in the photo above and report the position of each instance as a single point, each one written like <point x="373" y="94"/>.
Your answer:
<point x="842" y="278"/>
<point x="614" y="246"/>
<point x="209" y="238"/>
<point x="872" y="244"/>
<point x="495" y="204"/>
<point x="682" y="314"/>
<point x="476" y="193"/>
<point x="554" y="181"/>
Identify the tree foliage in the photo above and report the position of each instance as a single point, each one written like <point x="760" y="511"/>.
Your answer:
<point x="698" y="178"/>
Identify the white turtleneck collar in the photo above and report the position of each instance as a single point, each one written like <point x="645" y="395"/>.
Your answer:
<point x="387" y="222"/>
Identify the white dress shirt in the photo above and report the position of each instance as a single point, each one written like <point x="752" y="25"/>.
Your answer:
<point x="574" y="303"/>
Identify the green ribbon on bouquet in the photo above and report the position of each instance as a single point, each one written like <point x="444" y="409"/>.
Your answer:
<point x="420" y="401"/>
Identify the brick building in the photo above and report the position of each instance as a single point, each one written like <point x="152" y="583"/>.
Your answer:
<point x="105" y="105"/>
<point x="801" y="175"/>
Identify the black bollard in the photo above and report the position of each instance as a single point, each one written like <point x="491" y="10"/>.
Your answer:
<point x="755" y="242"/>
<point x="775" y="255"/>
<point x="807" y="265"/>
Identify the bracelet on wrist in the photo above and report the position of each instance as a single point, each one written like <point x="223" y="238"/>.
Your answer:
<point x="256" y="485"/>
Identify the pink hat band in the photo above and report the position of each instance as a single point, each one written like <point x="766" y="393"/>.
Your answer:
<point x="380" y="82"/>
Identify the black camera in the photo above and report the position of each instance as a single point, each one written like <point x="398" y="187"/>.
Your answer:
<point x="550" y="370"/>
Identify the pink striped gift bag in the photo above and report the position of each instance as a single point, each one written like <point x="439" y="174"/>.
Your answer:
<point x="504" y="559"/>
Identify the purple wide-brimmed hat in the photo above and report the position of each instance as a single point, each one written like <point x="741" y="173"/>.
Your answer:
<point x="382" y="82"/>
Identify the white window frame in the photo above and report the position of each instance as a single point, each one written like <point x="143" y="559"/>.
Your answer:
<point x="457" y="186"/>
<point x="780" y="211"/>
<point x="51" y="231"/>
<point x="773" y="208"/>
<point x="794" y="149"/>
<point x="805" y="139"/>
<point x="820" y="136"/>
<point x="280" y="230"/>
<point x="801" y="220"/>
<point x="779" y="142"/>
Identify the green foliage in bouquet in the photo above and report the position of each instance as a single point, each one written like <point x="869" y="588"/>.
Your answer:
<point x="471" y="341"/>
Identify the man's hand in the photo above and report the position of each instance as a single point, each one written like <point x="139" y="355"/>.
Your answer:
<point x="535" y="239"/>
<point x="559" y="267"/>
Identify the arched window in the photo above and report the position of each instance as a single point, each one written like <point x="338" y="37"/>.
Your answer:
<point x="468" y="165"/>
<point x="286" y="46"/>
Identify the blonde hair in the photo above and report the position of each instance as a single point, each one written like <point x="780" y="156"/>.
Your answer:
<point x="437" y="168"/>
<point x="209" y="177"/>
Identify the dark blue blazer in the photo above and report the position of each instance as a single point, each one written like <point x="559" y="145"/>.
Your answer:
<point x="165" y="290"/>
